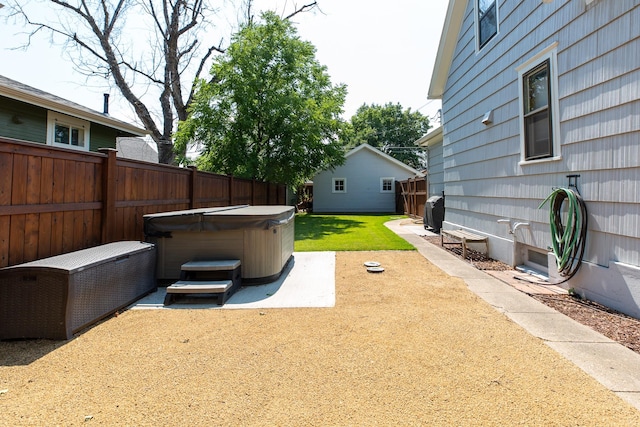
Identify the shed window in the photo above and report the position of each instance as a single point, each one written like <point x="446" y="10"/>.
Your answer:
<point x="386" y="185"/>
<point x="487" y="20"/>
<point x="339" y="185"/>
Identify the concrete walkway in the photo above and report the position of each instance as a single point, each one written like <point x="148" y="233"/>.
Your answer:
<point x="613" y="365"/>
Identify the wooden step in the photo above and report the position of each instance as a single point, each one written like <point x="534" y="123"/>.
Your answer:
<point x="199" y="287"/>
<point x="211" y="265"/>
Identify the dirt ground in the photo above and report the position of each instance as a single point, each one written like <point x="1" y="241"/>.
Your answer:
<point x="409" y="346"/>
<point x="610" y="323"/>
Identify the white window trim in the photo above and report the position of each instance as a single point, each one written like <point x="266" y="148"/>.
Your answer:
<point x="333" y="185"/>
<point x="549" y="53"/>
<point x="477" y="26"/>
<point x="393" y="181"/>
<point x="53" y="118"/>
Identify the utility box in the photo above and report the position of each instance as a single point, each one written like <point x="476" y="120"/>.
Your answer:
<point x="434" y="213"/>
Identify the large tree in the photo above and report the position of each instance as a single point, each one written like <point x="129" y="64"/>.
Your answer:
<point x="389" y="128"/>
<point x="145" y="47"/>
<point x="269" y="111"/>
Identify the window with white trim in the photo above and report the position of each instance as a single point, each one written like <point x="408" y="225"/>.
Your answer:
<point x="66" y="131"/>
<point x="386" y="185"/>
<point x="539" y="126"/>
<point x="339" y="185"/>
<point x="486" y="21"/>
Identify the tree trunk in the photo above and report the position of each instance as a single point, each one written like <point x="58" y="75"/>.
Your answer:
<point x="165" y="152"/>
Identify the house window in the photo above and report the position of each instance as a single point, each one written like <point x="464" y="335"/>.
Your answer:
<point x="386" y="185"/>
<point x="339" y="185"/>
<point x="538" y="140"/>
<point x="486" y="20"/>
<point x="538" y="107"/>
<point x="68" y="132"/>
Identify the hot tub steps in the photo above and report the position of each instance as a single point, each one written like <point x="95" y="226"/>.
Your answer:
<point x="216" y="277"/>
<point x="220" y="288"/>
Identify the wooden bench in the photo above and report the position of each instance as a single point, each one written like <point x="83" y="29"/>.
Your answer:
<point x="220" y="278"/>
<point x="463" y="237"/>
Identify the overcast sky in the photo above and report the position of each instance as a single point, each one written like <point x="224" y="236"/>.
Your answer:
<point x="383" y="50"/>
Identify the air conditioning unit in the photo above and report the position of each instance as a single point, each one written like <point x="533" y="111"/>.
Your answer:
<point x="434" y="213"/>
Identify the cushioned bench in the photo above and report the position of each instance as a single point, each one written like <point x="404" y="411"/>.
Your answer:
<point x="463" y="237"/>
<point x="58" y="296"/>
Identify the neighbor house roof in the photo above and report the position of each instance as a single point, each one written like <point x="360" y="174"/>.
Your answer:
<point x="446" y="48"/>
<point x="387" y="157"/>
<point x="15" y="90"/>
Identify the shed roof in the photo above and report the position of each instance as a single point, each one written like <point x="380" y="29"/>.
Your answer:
<point x="367" y="147"/>
<point x="21" y="92"/>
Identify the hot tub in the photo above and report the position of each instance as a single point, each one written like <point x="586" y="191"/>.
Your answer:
<point x="261" y="237"/>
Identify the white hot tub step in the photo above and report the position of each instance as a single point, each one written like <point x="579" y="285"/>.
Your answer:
<point x="220" y="289"/>
<point x="199" y="287"/>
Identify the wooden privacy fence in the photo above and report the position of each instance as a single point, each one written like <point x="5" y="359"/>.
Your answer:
<point x="54" y="200"/>
<point x="413" y="196"/>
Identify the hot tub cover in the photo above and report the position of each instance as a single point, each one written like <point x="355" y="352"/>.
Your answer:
<point x="216" y="219"/>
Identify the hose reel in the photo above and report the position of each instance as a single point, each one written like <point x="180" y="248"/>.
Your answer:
<point x="568" y="239"/>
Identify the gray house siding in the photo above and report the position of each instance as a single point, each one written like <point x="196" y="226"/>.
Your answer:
<point x="598" y="75"/>
<point x="362" y="172"/>
<point x="436" y="170"/>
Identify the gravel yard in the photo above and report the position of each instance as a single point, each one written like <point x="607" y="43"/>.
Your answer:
<point x="410" y="346"/>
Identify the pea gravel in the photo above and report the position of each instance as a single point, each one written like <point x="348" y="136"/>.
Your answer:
<point x="409" y="346"/>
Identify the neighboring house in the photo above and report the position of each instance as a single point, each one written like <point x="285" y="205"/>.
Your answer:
<point x="366" y="182"/>
<point x="29" y="114"/>
<point x="137" y="149"/>
<point x="533" y="91"/>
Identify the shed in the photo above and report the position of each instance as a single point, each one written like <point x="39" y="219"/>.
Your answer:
<point x="366" y="182"/>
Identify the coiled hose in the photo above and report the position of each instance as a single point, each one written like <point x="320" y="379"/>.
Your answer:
<point x="568" y="240"/>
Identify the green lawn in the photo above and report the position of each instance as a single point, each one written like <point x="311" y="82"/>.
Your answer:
<point x="315" y="232"/>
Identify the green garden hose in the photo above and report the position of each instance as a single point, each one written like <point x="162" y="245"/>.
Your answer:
<point x="568" y="240"/>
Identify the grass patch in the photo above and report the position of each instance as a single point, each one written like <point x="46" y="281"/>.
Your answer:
<point x="316" y="232"/>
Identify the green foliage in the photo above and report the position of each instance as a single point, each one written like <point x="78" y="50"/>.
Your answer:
<point x="315" y="232"/>
<point x="270" y="111"/>
<point x="389" y="128"/>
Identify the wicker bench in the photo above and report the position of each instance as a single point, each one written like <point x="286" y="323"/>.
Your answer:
<point x="463" y="237"/>
<point x="56" y="297"/>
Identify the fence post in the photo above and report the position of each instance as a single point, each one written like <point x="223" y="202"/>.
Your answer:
<point x="109" y="185"/>
<point x="230" y="190"/>
<point x="192" y="187"/>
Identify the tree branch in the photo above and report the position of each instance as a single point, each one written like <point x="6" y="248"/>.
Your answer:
<point x="302" y="9"/>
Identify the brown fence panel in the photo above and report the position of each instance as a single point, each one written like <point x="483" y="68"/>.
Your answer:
<point x="55" y="200"/>
<point x="49" y="201"/>
<point x="211" y="190"/>
<point x="412" y="195"/>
